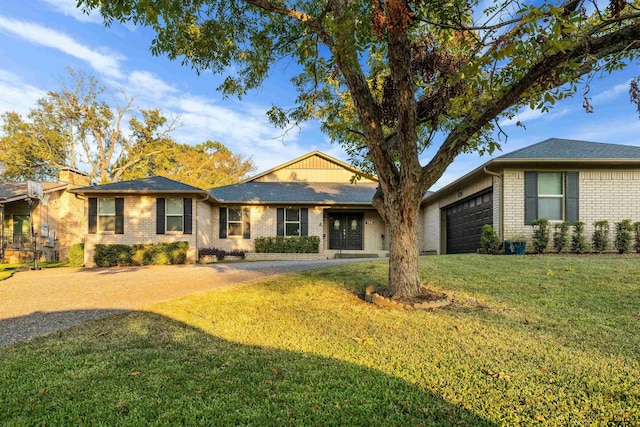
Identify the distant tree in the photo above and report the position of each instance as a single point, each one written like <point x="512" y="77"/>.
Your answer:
<point x="206" y="165"/>
<point x="391" y="78"/>
<point x="30" y="149"/>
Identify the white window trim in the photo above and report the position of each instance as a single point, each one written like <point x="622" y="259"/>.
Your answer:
<point x="241" y="222"/>
<point x="555" y="196"/>
<point x="98" y="225"/>
<point x="299" y="221"/>
<point x="167" y="215"/>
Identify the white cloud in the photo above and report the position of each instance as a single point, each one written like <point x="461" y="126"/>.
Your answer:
<point x="529" y="115"/>
<point x="70" y="8"/>
<point x="620" y="131"/>
<point x="147" y="84"/>
<point x="17" y="96"/>
<point x="102" y="60"/>
<point x="613" y="93"/>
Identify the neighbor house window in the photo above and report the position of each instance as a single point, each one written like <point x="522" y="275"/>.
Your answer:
<point x="551" y="195"/>
<point x="292" y="222"/>
<point x="175" y="215"/>
<point x="107" y="215"/>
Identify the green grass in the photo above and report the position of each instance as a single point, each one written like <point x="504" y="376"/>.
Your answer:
<point x="7" y="270"/>
<point x="528" y="341"/>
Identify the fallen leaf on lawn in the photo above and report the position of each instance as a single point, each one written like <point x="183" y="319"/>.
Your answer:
<point x="42" y="391"/>
<point x="121" y="404"/>
<point x="500" y="375"/>
<point x="133" y="374"/>
<point x="197" y="392"/>
<point x="275" y="371"/>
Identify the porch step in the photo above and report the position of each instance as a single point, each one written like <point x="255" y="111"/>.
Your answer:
<point x="349" y="256"/>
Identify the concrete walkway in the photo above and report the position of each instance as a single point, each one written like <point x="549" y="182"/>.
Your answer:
<point x="35" y="303"/>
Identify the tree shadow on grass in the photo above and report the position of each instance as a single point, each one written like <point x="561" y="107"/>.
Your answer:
<point x="141" y="368"/>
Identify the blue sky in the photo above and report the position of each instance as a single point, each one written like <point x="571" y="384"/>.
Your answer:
<point x="39" y="38"/>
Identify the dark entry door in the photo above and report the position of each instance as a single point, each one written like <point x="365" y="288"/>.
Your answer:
<point x="464" y="221"/>
<point x="345" y="231"/>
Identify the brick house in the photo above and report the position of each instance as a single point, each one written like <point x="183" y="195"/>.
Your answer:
<point x="50" y="223"/>
<point x="556" y="179"/>
<point x="314" y="195"/>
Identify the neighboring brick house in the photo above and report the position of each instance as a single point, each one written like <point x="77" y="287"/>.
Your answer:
<point x="557" y="179"/>
<point x="51" y="222"/>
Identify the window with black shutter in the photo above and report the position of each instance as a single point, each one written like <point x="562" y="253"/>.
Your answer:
<point x="551" y="195"/>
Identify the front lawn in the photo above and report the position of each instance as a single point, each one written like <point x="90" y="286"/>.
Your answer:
<point x="528" y="341"/>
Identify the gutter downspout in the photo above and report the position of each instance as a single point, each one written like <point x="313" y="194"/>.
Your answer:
<point x="204" y="199"/>
<point x="500" y="176"/>
<point x="1" y="231"/>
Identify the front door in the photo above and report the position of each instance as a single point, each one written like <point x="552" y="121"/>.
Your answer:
<point x="345" y="231"/>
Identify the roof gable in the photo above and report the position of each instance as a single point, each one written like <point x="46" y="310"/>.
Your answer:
<point x="312" y="167"/>
<point x="556" y="148"/>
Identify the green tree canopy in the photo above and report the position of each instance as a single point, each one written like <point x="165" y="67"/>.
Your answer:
<point x="389" y="78"/>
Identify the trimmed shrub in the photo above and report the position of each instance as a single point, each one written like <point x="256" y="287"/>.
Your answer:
<point x="489" y="242"/>
<point x="540" y="235"/>
<point x="221" y="254"/>
<point x="623" y="238"/>
<point x="111" y="255"/>
<point x="76" y="255"/>
<point x="600" y="238"/>
<point x="160" y="253"/>
<point x="560" y="236"/>
<point x="288" y="245"/>
<point x="636" y="231"/>
<point x="578" y="241"/>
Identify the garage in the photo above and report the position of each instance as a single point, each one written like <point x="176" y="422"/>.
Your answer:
<point x="464" y="221"/>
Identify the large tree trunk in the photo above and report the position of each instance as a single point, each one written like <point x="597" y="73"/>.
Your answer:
<point x="404" y="278"/>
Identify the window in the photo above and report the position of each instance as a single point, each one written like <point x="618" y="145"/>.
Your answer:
<point x="107" y="215"/>
<point x="550" y="196"/>
<point x="292" y="222"/>
<point x="174" y="214"/>
<point x="234" y="223"/>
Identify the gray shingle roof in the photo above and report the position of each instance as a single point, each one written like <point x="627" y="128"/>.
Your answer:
<point x="555" y="148"/>
<point x="156" y="184"/>
<point x="295" y="192"/>
<point x="12" y="190"/>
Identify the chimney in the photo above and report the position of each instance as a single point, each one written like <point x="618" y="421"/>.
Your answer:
<point x="73" y="177"/>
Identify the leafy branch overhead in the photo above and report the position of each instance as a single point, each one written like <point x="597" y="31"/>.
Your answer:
<point x="389" y="78"/>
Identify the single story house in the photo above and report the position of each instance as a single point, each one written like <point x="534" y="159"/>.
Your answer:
<point x="41" y="216"/>
<point x="314" y="195"/>
<point x="556" y="179"/>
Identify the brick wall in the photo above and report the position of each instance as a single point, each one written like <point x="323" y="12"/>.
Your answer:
<point x="613" y="195"/>
<point x="139" y="227"/>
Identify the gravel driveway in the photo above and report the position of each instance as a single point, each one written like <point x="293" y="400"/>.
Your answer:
<point x="35" y="303"/>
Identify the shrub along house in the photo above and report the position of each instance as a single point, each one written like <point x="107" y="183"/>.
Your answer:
<point x="45" y="215"/>
<point x="556" y="179"/>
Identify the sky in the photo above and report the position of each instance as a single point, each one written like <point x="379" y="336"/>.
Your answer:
<point x="39" y="38"/>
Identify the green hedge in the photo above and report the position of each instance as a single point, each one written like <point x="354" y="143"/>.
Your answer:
<point x="76" y="255"/>
<point x="288" y="245"/>
<point x="142" y="254"/>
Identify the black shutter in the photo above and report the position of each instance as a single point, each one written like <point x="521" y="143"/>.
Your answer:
<point x="280" y="222"/>
<point x="160" y="215"/>
<point x="572" y="210"/>
<point x="119" y="215"/>
<point x="188" y="216"/>
<point x="246" y="223"/>
<point x="304" y="222"/>
<point x="530" y="197"/>
<point x="223" y="223"/>
<point x="93" y="215"/>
